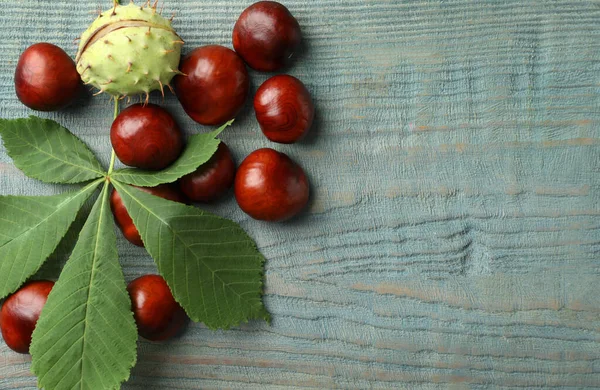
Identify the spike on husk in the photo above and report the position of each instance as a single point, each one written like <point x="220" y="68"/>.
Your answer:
<point x="134" y="47"/>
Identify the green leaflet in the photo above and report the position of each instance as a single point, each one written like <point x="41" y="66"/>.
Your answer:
<point x="210" y="263"/>
<point x="86" y="335"/>
<point x="30" y="229"/>
<point x="199" y="150"/>
<point x="46" y="151"/>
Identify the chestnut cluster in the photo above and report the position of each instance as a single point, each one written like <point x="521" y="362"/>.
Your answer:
<point x="212" y="87"/>
<point x="215" y="82"/>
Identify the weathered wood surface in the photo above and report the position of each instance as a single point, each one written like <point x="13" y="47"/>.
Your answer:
<point x="453" y="238"/>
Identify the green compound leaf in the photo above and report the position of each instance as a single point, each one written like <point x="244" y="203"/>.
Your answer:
<point x="46" y="151"/>
<point x="210" y="263"/>
<point x="86" y="335"/>
<point x="199" y="150"/>
<point x="30" y="229"/>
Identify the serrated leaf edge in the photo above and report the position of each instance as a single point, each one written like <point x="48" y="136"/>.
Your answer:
<point x="104" y="199"/>
<point x="265" y="314"/>
<point x="123" y="172"/>
<point x="91" y="185"/>
<point x="11" y="154"/>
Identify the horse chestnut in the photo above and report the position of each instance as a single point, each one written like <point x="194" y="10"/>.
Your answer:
<point x="157" y="315"/>
<point x="214" y="86"/>
<point x="146" y="137"/>
<point x="124" y="221"/>
<point x="284" y="109"/>
<point x="21" y="312"/>
<point x="266" y="36"/>
<point x="46" y="78"/>
<point x="212" y="179"/>
<point x="270" y="186"/>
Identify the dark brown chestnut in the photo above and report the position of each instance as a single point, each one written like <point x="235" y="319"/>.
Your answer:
<point x="124" y="221"/>
<point x="146" y="137"/>
<point x="21" y="311"/>
<point x="266" y="36"/>
<point x="270" y="186"/>
<point x="157" y="315"/>
<point x="212" y="179"/>
<point x="214" y="85"/>
<point x="284" y="109"/>
<point x="46" y="78"/>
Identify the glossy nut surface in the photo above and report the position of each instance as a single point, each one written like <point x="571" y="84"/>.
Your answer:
<point x="270" y="186"/>
<point x="212" y="179"/>
<point x="266" y="36"/>
<point x="21" y="311"/>
<point x="215" y="85"/>
<point x="46" y="78"/>
<point x="157" y="315"/>
<point x="284" y="109"/>
<point x="124" y="221"/>
<point x="146" y="137"/>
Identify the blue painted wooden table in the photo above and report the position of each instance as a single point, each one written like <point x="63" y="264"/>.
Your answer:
<point x="453" y="236"/>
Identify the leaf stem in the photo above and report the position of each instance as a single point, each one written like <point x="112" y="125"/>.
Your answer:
<point x="112" y="155"/>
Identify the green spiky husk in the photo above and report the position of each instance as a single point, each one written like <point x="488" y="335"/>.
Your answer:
<point x="129" y="50"/>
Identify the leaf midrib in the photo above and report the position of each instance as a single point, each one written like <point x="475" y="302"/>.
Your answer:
<point x="94" y="259"/>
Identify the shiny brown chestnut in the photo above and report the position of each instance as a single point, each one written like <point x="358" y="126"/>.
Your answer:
<point x="284" y="109"/>
<point x="214" y="85"/>
<point x="124" y="221"/>
<point x="157" y="315"/>
<point x="212" y="179"/>
<point x="266" y="36"/>
<point x="20" y="313"/>
<point x="46" y="78"/>
<point x="270" y="186"/>
<point x="146" y="137"/>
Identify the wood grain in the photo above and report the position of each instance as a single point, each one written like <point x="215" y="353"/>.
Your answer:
<point x="453" y="236"/>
